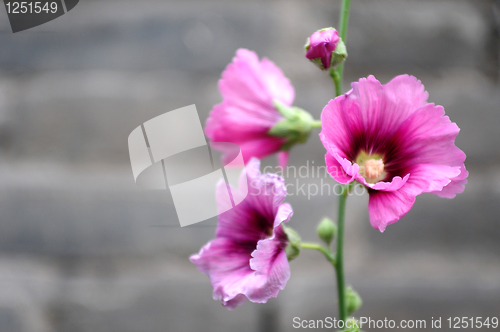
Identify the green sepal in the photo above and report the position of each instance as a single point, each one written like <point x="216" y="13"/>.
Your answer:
<point x="292" y="250"/>
<point x="296" y="127"/>
<point x="318" y="63"/>
<point x="338" y="55"/>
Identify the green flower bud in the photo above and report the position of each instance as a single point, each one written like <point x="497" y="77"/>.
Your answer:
<point x="327" y="230"/>
<point x="353" y="300"/>
<point x="293" y="248"/>
<point x="296" y="127"/>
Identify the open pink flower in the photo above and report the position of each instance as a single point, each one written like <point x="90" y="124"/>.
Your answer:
<point x="247" y="258"/>
<point x="247" y="113"/>
<point x="390" y="139"/>
<point x="320" y="46"/>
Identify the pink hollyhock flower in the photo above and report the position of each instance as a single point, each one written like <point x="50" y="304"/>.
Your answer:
<point x="247" y="113"/>
<point x="247" y="258"/>
<point x="321" y="47"/>
<point x="390" y="139"/>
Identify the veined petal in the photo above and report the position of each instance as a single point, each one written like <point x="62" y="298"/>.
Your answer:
<point x="247" y="79"/>
<point x="334" y="168"/>
<point x="387" y="207"/>
<point x="337" y="165"/>
<point x="279" y="87"/>
<point x="258" y="147"/>
<point x="395" y="183"/>
<point x="266" y="194"/>
<point x="428" y="137"/>
<point x="255" y="217"/>
<point x="338" y="127"/>
<point x="227" y="264"/>
<point x="269" y="259"/>
<point x="430" y="177"/>
<point x="456" y="185"/>
<point x="285" y="212"/>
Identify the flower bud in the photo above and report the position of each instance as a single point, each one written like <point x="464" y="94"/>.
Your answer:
<point x="327" y="230"/>
<point x="296" y="127"/>
<point x="353" y="300"/>
<point x="325" y="48"/>
<point x="293" y="248"/>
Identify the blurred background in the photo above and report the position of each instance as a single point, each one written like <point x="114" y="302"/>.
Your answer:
<point x="82" y="248"/>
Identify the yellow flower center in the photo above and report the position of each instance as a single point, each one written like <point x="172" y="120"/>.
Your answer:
<point x="371" y="167"/>
<point x="374" y="168"/>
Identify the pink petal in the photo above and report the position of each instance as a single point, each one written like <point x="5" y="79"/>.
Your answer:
<point x="407" y="90"/>
<point x="258" y="147"/>
<point x="285" y="212"/>
<point x="247" y="79"/>
<point x="258" y="212"/>
<point x="269" y="259"/>
<point x="279" y="87"/>
<point x="387" y="207"/>
<point x="382" y="108"/>
<point x="267" y="250"/>
<point x="232" y="123"/>
<point x="227" y="264"/>
<point x="243" y="223"/>
<point x="429" y="137"/>
<point x="429" y="177"/>
<point x="266" y="194"/>
<point x="395" y="184"/>
<point x="337" y="126"/>
<point x="456" y="186"/>
<point x="283" y="159"/>
<point x="339" y="169"/>
<point x="234" y="302"/>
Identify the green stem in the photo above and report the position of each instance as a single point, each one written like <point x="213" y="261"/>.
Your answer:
<point x="316" y="124"/>
<point x="337" y="74"/>
<point x="339" y="266"/>
<point x="337" y="81"/>
<point x="344" y="22"/>
<point x="344" y="19"/>
<point x="328" y="254"/>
